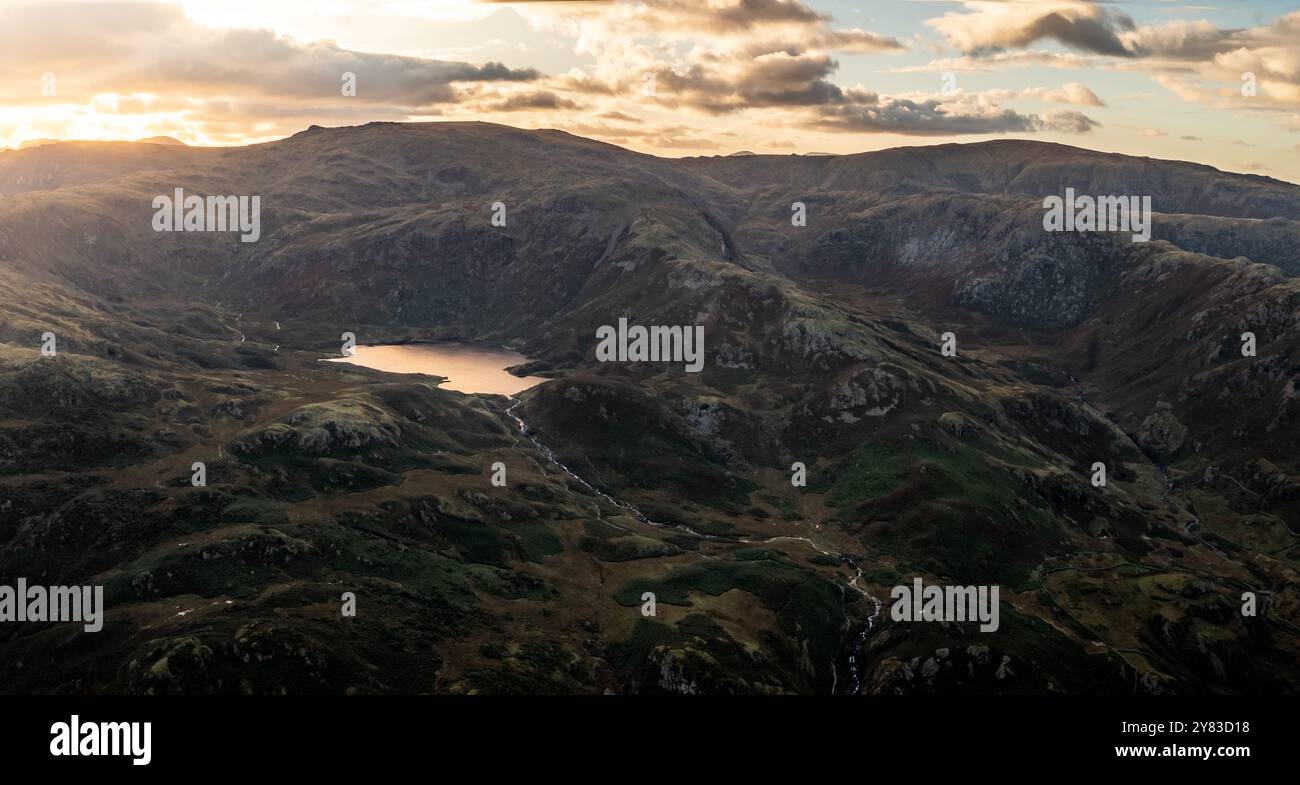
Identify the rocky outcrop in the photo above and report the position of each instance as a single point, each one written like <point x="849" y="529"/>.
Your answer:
<point x="1161" y="434"/>
<point x="347" y="425"/>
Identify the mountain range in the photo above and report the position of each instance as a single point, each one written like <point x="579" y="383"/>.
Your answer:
<point x="823" y="348"/>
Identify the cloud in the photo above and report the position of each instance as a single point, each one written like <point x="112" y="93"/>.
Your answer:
<point x="919" y="118"/>
<point x="137" y="69"/>
<point x="751" y="55"/>
<point x="993" y="26"/>
<point x="1073" y="93"/>
<point x="540" y="99"/>
<point x="728" y="83"/>
<point x="1185" y="89"/>
<point x="620" y="116"/>
<point x="721" y="58"/>
<point x="776" y="80"/>
<point x="599" y="24"/>
<point x="739" y="15"/>
<point x="125" y="48"/>
<point x="853" y="40"/>
<point x="1225" y="69"/>
<point x="867" y="111"/>
<point x="1195" y="59"/>
<point x="1068" y="122"/>
<point x="746" y="14"/>
<point x="1187" y="40"/>
<point x="1069" y="93"/>
<point x="1000" y="61"/>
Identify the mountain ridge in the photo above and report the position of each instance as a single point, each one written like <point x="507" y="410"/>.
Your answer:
<point x="822" y="347"/>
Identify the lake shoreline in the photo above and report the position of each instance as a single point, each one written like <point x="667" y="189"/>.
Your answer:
<point x="463" y="366"/>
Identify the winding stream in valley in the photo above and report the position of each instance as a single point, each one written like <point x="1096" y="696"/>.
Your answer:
<point x="855" y="676"/>
<point x="479" y="369"/>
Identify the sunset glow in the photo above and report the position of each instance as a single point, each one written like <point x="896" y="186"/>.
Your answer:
<point x="671" y="77"/>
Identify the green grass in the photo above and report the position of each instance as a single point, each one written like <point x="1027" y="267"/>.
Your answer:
<point x="536" y="540"/>
<point x="629" y="548"/>
<point x="782" y="504"/>
<point x="883" y="576"/>
<point x="510" y="585"/>
<point x="475" y="541"/>
<point x="808" y="608"/>
<point x="873" y="471"/>
<point x="965" y="476"/>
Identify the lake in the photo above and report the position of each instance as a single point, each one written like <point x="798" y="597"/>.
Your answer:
<point x="468" y="368"/>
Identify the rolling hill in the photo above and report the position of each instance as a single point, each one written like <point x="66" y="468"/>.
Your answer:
<point x="822" y="348"/>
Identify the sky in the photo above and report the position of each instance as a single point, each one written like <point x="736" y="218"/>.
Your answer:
<point x="1211" y="81"/>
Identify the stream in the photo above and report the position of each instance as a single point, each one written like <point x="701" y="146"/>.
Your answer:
<point x="869" y="624"/>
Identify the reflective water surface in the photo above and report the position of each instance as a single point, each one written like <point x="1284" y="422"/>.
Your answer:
<point x="468" y="368"/>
